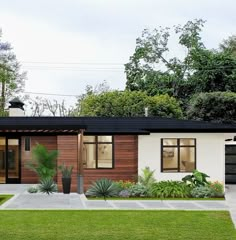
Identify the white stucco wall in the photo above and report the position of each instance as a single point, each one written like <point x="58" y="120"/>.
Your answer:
<point x="210" y="154"/>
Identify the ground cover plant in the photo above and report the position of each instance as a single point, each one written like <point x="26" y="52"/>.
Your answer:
<point x="114" y="225"/>
<point x="4" y="198"/>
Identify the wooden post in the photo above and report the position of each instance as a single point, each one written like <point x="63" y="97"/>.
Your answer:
<point x="80" y="179"/>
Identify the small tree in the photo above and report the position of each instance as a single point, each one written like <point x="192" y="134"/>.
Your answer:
<point x="43" y="162"/>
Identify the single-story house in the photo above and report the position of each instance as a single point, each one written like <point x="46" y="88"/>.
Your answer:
<point x="117" y="148"/>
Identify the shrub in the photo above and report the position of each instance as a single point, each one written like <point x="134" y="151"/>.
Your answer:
<point x="124" y="193"/>
<point x="147" y="179"/>
<point x="103" y="188"/>
<point x="48" y="186"/>
<point x="139" y="190"/>
<point x="66" y="171"/>
<point x="196" y="179"/>
<point x="44" y="162"/>
<point x="33" y="189"/>
<point x="124" y="184"/>
<point x="174" y="189"/>
<point x="202" y="192"/>
<point x="217" y="188"/>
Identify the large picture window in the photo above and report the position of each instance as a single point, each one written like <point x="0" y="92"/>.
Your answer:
<point x="98" y="151"/>
<point x="178" y="154"/>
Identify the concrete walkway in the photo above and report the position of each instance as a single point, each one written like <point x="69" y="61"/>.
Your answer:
<point x="24" y="200"/>
<point x="231" y="201"/>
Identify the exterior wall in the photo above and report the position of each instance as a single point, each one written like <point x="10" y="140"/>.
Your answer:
<point x="125" y="162"/>
<point x="50" y="142"/>
<point x="210" y="154"/>
<point x="68" y="153"/>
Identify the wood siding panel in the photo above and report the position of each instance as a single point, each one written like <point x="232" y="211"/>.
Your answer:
<point x="125" y="162"/>
<point x="68" y="153"/>
<point x="27" y="175"/>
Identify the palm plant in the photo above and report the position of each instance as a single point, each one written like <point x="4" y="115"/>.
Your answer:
<point x="43" y="162"/>
<point x="103" y="188"/>
<point x="147" y="178"/>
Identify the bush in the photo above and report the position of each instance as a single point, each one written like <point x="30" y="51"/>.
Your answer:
<point x="48" y="186"/>
<point x="196" y="179"/>
<point x="124" y="193"/>
<point x="217" y="188"/>
<point x="103" y="188"/>
<point x="33" y="189"/>
<point x="202" y="192"/>
<point x="147" y="179"/>
<point x="138" y="190"/>
<point x="44" y="162"/>
<point x="123" y="185"/>
<point x="173" y="189"/>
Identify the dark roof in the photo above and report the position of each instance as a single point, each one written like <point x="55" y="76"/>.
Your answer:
<point x="111" y="125"/>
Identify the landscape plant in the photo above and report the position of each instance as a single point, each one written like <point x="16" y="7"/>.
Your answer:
<point x="43" y="162"/>
<point x="103" y="188"/>
<point x="33" y="189"/>
<point x="196" y="179"/>
<point x="202" y="192"/>
<point x="173" y="189"/>
<point x="217" y="188"/>
<point x="48" y="186"/>
<point x="139" y="190"/>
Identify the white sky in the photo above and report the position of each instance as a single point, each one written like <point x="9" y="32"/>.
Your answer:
<point x="94" y="32"/>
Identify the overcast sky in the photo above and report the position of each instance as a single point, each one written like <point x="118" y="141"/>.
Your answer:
<point x="66" y="44"/>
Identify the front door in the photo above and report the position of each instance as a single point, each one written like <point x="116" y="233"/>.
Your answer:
<point x="9" y="160"/>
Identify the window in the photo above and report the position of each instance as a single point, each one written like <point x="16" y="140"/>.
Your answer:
<point x="178" y="154"/>
<point x="27" y="143"/>
<point x="98" y="151"/>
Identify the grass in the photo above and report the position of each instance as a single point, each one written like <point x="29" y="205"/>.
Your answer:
<point x="114" y="225"/>
<point x="151" y="198"/>
<point x="4" y="198"/>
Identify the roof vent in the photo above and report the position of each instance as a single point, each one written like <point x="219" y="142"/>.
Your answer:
<point x="16" y="108"/>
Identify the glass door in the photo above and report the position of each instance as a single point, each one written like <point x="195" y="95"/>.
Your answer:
<point x="2" y="160"/>
<point x="13" y="160"/>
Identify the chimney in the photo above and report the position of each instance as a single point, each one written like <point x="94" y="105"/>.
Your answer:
<point x="16" y="108"/>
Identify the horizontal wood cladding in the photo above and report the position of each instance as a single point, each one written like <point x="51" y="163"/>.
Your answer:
<point x="68" y="153"/>
<point x="50" y="142"/>
<point x="125" y="162"/>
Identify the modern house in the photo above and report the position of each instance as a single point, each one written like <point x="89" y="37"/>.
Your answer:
<point x="116" y="148"/>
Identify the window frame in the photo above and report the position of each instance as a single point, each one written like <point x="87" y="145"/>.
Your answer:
<point x="96" y="143"/>
<point x="178" y="146"/>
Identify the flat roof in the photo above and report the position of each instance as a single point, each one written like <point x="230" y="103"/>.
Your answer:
<point x="109" y="125"/>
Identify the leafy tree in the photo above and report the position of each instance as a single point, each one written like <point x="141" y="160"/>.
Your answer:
<point x="214" y="107"/>
<point x="229" y="45"/>
<point x="11" y="79"/>
<point x="129" y="103"/>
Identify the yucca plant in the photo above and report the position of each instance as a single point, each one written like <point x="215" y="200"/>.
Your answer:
<point x="103" y="188"/>
<point x="48" y="186"/>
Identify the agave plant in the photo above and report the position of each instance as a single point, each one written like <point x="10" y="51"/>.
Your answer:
<point x="47" y="185"/>
<point x="103" y="188"/>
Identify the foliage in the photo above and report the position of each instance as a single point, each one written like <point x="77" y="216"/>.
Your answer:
<point x="196" y="179"/>
<point x="11" y="79"/>
<point x="127" y="104"/>
<point x="210" y="106"/>
<point x="217" y="188"/>
<point x="124" y="185"/>
<point x="33" y="189"/>
<point x="202" y="192"/>
<point x="47" y="185"/>
<point x="44" y="162"/>
<point x="139" y="190"/>
<point x="103" y="188"/>
<point x="147" y="178"/>
<point x="174" y="189"/>
<point x="124" y="193"/>
<point x="66" y="170"/>
<point x="229" y="45"/>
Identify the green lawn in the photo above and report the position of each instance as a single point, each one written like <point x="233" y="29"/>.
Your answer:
<point x="110" y="225"/>
<point x="4" y="198"/>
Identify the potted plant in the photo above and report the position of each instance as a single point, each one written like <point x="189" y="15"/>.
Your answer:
<point x="66" y="172"/>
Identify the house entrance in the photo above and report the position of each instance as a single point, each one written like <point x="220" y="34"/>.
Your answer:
<point x="9" y="160"/>
<point x="230" y="164"/>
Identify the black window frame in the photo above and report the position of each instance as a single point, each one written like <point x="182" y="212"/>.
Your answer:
<point x="178" y="146"/>
<point x="96" y="143"/>
<point x="27" y="144"/>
